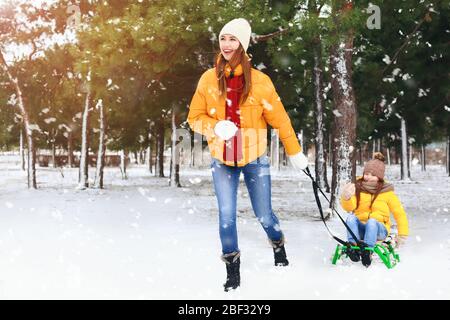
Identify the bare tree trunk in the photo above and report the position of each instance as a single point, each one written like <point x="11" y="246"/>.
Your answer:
<point x="70" y="162"/>
<point x="175" y="158"/>
<point x="26" y="121"/>
<point x="320" y="164"/>
<point x="344" y="121"/>
<point x="448" y="155"/>
<point x="388" y="154"/>
<point x="404" y="167"/>
<point x="123" y="163"/>
<point x="150" y="159"/>
<point x="161" y="154"/>
<point x="142" y="156"/>
<point x="149" y="148"/>
<point x="156" y="155"/>
<point x="160" y="149"/>
<point x="202" y="151"/>
<point x="368" y="155"/>
<point x="21" y="150"/>
<point x="424" y="157"/>
<point x="360" y="155"/>
<point x="300" y="139"/>
<point x="98" y="183"/>
<point x="83" y="180"/>
<point x="31" y="164"/>
<point x="330" y="151"/>
<point x="193" y="144"/>
<point x="326" y="156"/>
<point x="398" y="148"/>
<point x="275" y="150"/>
<point x="410" y="148"/>
<point x="53" y="139"/>
<point x="54" y="155"/>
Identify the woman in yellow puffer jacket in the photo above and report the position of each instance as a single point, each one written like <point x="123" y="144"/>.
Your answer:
<point x="232" y="106"/>
<point x="372" y="199"/>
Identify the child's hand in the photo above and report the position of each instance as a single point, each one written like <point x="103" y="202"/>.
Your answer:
<point x="348" y="191"/>
<point x="401" y="240"/>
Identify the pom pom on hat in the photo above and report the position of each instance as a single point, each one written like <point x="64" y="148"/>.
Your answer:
<point x="378" y="156"/>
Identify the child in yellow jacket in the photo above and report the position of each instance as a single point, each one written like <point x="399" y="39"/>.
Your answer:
<point x="371" y="200"/>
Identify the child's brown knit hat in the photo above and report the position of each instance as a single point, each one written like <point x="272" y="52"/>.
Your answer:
<point x="376" y="166"/>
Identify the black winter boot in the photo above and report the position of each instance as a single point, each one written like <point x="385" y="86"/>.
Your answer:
<point x="366" y="256"/>
<point x="279" y="253"/>
<point x="232" y="262"/>
<point x="353" y="254"/>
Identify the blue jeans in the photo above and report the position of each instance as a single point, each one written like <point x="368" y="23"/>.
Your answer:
<point x="371" y="231"/>
<point x="257" y="180"/>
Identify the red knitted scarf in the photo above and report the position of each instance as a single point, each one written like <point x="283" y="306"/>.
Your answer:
<point x="232" y="150"/>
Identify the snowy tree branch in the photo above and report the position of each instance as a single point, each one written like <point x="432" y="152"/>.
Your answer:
<point x="265" y="37"/>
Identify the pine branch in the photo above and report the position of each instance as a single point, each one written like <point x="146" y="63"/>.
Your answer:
<point x="265" y="37"/>
<point x="426" y="17"/>
<point x="400" y="49"/>
<point x="35" y="49"/>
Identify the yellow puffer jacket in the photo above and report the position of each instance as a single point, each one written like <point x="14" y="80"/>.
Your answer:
<point x="384" y="204"/>
<point x="263" y="106"/>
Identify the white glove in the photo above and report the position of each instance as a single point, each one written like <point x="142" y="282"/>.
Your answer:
<point x="299" y="161"/>
<point x="225" y="129"/>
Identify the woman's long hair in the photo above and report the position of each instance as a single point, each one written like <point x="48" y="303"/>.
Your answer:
<point x="239" y="57"/>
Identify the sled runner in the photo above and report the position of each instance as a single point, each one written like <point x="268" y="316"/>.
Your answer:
<point x="383" y="249"/>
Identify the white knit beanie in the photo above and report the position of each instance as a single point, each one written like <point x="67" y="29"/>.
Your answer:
<point x="240" y="28"/>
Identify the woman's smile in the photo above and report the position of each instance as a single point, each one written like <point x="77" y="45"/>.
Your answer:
<point x="228" y="45"/>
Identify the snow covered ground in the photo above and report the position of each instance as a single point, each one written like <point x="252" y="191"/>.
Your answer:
<point x="140" y="239"/>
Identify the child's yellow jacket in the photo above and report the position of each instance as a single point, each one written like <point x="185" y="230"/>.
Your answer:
<point x="384" y="204"/>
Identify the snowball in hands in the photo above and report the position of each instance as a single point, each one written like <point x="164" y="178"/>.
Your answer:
<point x="299" y="161"/>
<point x="225" y="129"/>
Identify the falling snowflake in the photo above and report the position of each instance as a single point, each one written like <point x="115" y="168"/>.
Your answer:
<point x="421" y="93"/>
<point x="267" y="105"/>
<point x="261" y="66"/>
<point x="49" y="120"/>
<point x="396" y="71"/>
<point x="337" y="113"/>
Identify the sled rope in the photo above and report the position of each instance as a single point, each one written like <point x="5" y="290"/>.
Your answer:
<point x="319" y="205"/>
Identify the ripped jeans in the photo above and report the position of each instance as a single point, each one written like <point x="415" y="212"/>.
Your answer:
<point x="257" y="180"/>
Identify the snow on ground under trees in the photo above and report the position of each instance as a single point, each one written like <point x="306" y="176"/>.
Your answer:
<point x="140" y="239"/>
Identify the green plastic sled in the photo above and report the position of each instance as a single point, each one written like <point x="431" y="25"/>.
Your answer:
<point x="384" y="250"/>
